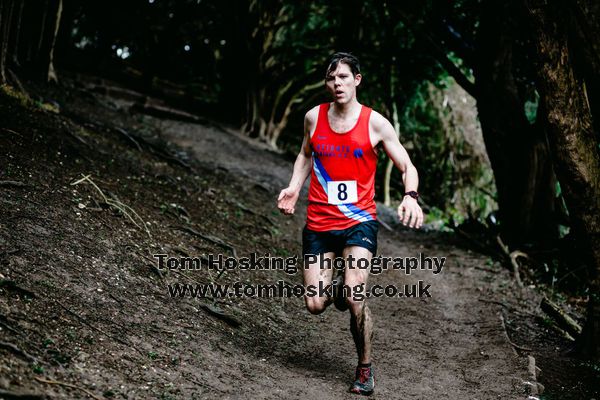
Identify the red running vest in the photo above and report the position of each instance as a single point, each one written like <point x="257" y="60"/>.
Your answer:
<point x="342" y="181"/>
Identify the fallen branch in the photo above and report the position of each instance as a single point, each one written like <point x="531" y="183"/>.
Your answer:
<point x="513" y="260"/>
<point x="70" y="385"/>
<point x="562" y="318"/>
<point x="515" y="346"/>
<point x="115" y="203"/>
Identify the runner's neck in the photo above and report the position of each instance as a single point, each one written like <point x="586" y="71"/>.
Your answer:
<point x="345" y="111"/>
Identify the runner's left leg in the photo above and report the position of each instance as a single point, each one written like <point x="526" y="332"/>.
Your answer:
<point x="361" y="324"/>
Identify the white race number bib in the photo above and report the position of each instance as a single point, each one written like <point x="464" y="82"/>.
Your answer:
<point x="341" y="192"/>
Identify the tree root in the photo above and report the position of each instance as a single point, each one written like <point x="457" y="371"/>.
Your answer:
<point x="127" y="136"/>
<point x="250" y="211"/>
<point x="4" y="323"/>
<point x="512" y="256"/>
<point x="136" y="141"/>
<point x="209" y="238"/>
<point x="118" y="205"/>
<point x="515" y="346"/>
<point x="17" y="83"/>
<point x="86" y="323"/>
<point x="217" y="312"/>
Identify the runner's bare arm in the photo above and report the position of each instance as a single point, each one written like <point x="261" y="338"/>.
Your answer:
<point x="409" y="211"/>
<point x="286" y="202"/>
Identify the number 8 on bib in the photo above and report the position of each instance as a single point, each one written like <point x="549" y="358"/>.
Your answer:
<point x="341" y="192"/>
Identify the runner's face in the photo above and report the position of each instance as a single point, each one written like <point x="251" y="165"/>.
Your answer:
<point x="341" y="84"/>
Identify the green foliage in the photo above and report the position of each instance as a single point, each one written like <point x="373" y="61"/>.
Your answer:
<point x="438" y="218"/>
<point x="441" y="134"/>
<point x="531" y="107"/>
<point x="262" y="55"/>
<point x="38" y="369"/>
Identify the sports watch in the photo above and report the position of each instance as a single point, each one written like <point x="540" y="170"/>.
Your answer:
<point x="412" y="194"/>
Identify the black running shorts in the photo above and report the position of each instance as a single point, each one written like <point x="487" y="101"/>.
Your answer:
<point x="363" y="234"/>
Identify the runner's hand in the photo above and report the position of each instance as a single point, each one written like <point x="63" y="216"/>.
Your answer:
<point x="287" y="201"/>
<point x="410" y="213"/>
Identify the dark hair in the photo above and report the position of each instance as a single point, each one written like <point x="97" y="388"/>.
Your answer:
<point x="345" y="58"/>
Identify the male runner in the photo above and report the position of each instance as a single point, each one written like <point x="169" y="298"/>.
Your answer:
<point x="339" y="152"/>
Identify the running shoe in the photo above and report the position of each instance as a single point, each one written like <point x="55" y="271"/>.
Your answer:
<point x="364" y="383"/>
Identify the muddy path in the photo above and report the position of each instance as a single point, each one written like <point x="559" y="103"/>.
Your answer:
<point x="451" y="345"/>
<point x="99" y="316"/>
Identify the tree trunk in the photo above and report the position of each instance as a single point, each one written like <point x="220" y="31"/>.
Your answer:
<point x="585" y="33"/>
<point x="517" y="150"/>
<point x="6" y="9"/>
<point x="44" y="60"/>
<point x="29" y="32"/>
<point x="42" y="31"/>
<point x="2" y="39"/>
<point x="16" y="33"/>
<point x="389" y="165"/>
<point x="573" y="142"/>
<point x="50" y="72"/>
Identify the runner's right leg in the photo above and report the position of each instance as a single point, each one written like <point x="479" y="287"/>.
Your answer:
<point x="313" y="274"/>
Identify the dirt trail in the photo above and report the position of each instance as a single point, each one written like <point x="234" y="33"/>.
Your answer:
<point x="451" y="345"/>
<point x="101" y="318"/>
